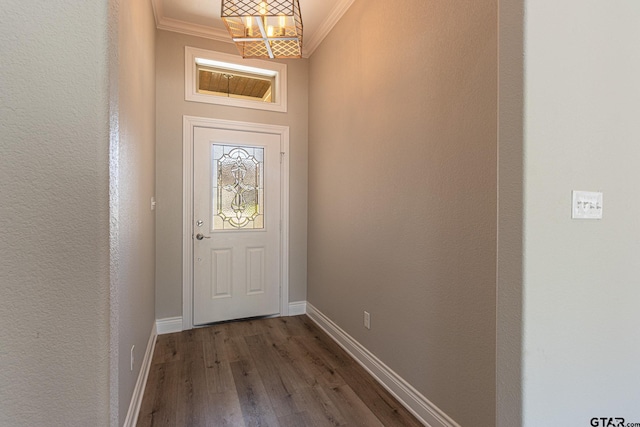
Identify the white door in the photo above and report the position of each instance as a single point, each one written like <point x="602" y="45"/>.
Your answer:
<point x="236" y="224"/>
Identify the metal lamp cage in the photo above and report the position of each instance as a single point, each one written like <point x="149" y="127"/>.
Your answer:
<point x="264" y="29"/>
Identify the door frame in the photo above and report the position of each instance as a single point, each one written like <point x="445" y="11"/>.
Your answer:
<point x="188" y="125"/>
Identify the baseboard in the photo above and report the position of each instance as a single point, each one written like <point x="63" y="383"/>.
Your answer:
<point x="297" y="308"/>
<point x="169" y="325"/>
<point x="428" y="413"/>
<point x="174" y="324"/>
<point x="138" y="391"/>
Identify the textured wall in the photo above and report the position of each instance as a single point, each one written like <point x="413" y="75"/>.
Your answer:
<point x="54" y="214"/>
<point x="581" y="281"/>
<point x="171" y="106"/>
<point x="132" y="186"/>
<point x="402" y="192"/>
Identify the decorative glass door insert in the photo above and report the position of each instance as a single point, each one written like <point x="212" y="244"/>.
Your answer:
<point x="238" y="187"/>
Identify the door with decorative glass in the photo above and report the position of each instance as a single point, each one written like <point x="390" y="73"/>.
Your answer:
<point x="236" y="238"/>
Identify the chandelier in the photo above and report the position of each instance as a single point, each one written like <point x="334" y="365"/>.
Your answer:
<point x="264" y="28"/>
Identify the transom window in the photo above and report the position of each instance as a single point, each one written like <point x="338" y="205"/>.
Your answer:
<point x="219" y="78"/>
<point x="234" y="84"/>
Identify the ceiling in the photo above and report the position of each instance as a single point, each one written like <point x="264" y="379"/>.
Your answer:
<point x="202" y="18"/>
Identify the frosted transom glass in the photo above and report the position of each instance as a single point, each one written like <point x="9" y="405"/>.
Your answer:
<point x="238" y="187"/>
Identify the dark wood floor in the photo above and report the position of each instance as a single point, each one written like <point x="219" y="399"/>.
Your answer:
<point x="270" y="372"/>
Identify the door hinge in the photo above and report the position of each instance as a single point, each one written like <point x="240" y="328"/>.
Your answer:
<point x="282" y="153"/>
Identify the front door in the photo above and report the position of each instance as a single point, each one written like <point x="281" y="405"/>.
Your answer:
<point x="236" y="224"/>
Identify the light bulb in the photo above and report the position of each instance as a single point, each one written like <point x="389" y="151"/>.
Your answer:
<point x="249" y="26"/>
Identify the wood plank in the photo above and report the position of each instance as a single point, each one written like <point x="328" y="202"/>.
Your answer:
<point x="218" y="370"/>
<point x="295" y="326"/>
<point x="246" y="328"/>
<point x="301" y="419"/>
<point x="316" y="368"/>
<point x="352" y="408"/>
<point x="236" y="349"/>
<point x="160" y="400"/>
<point x="303" y="358"/>
<point x="275" y="327"/>
<point x="320" y="408"/>
<point x="255" y="403"/>
<point x="279" y="382"/>
<point x="224" y="410"/>
<point x="192" y="389"/>
<point x="166" y="350"/>
<point x="319" y="341"/>
<point x="381" y="403"/>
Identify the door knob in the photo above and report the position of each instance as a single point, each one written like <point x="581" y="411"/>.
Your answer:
<point x="201" y="236"/>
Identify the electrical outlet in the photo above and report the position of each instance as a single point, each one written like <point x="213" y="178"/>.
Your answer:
<point x="367" y="320"/>
<point x="133" y="356"/>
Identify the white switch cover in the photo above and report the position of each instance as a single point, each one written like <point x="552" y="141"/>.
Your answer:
<point x="586" y="205"/>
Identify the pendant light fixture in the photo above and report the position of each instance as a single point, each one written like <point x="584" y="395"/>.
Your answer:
<point x="264" y="28"/>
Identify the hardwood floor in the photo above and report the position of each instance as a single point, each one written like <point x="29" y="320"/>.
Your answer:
<point x="271" y="372"/>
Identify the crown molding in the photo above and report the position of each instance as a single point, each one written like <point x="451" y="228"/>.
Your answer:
<point x="158" y="10"/>
<point x="325" y="28"/>
<point x="175" y="25"/>
<point x="197" y="30"/>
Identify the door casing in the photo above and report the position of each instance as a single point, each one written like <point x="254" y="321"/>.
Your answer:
<point x="189" y="123"/>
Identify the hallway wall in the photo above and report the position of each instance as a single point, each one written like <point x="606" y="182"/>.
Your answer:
<point x="581" y="278"/>
<point x="171" y="107"/>
<point x="510" y="214"/>
<point x="402" y="193"/>
<point x="54" y="213"/>
<point x="132" y="187"/>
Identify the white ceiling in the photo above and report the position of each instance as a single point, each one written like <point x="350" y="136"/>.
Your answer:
<point x="202" y="18"/>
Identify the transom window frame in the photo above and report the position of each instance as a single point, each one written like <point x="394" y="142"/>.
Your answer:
<point x="234" y="63"/>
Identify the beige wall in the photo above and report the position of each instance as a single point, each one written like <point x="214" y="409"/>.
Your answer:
<point x="77" y="247"/>
<point x="54" y="214"/>
<point x="402" y="193"/>
<point x="581" y="278"/>
<point x="132" y="186"/>
<point x="171" y="107"/>
<point x="510" y="215"/>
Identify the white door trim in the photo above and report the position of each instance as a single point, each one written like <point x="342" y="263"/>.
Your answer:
<point x="188" y="125"/>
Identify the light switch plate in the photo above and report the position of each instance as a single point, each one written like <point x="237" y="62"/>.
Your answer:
<point x="586" y="205"/>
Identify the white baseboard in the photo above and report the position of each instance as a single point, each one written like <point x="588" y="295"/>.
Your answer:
<point x="428" y="413"/>
<point x="297" y="308"/>
<point x="169" y="325"/>
<point x="138" y="391"/>
<point x="174" y="324"/>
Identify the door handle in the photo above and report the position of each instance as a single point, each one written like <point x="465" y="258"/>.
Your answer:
<point x="201" y="236"/>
